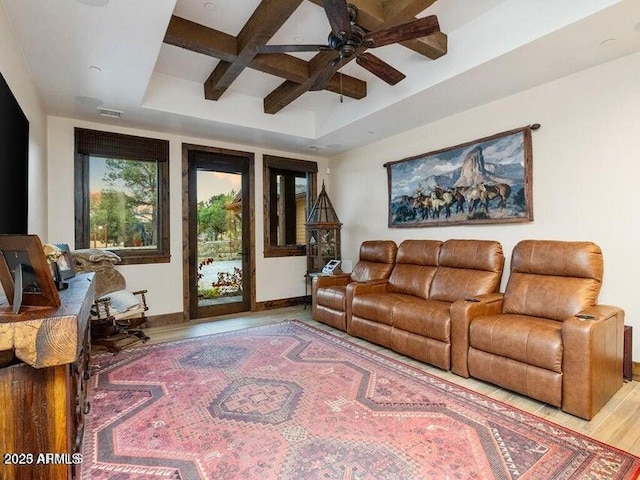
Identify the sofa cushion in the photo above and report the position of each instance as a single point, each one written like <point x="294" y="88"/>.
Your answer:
<point x="467" y="268"/>
<point x="334" y="297"/>
<point x="530" y="340"/>
<point x="415" y="267"/>
<point x="553" y="279"/>
<point x="427" y="318"/>
<point x="377" y="307"/>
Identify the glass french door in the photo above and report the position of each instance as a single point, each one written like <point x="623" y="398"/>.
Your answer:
<point x="220" y="274"/>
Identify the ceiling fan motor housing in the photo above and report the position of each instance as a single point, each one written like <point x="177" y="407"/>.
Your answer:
<point x="347" y="47"/>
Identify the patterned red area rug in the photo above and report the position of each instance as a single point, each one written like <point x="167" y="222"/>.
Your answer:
<point x="288" y="401"/>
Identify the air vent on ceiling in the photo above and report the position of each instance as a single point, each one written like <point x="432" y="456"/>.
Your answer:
<point x="315" y="148"/>
<point x="107" y="112"/>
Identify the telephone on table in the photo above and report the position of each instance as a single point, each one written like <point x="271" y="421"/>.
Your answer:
<point x="332" y="267"/>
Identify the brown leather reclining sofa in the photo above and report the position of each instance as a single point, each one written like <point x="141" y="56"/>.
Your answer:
<point x="545" y="337"/>
<point x="329" y="294"/>
<point x="409" y="313"/>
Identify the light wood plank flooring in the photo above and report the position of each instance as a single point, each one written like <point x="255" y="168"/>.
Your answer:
<point x="617" y="424"/>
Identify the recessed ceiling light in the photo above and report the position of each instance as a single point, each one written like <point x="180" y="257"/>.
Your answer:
<point x="608" y="42"/>
<point x="298" y="39"/>
<point x="95" y="3"/>
<point x="210" y="6"/>
<point x="95" y="68"/>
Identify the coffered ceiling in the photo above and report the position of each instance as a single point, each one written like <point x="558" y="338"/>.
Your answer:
<point x="191" y="66"/>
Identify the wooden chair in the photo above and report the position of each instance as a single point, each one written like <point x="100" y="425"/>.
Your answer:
<point x="118" y="315"/>
<point x="114" y="327"/>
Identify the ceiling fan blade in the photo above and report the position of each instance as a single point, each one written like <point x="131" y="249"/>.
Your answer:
<point x="380" y="69"/>
<point x="338" y="16"/>
<point x="420" y="27"/>
<point x="329" y="71"/>
<point x="290" y="48"/>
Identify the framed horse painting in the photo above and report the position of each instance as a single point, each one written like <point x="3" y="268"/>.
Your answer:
<point x="483" y="181"/>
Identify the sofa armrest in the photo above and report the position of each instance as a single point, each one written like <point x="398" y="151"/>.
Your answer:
<point x="462" y="314"/>
<point x="593" y="344"/>
<point x="360" y="288"/>
<point x="323" y="281"/>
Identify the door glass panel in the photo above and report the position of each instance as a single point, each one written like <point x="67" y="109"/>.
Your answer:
<point x="219" y="242"/>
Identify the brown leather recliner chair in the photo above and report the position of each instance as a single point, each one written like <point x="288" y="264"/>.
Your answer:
<point x="329" y="299"/>
<point x="546" y="337"/>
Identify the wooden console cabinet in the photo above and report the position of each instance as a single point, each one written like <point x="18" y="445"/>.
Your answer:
<point x="43" y="390"/>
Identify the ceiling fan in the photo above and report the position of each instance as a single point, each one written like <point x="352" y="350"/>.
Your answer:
<point x="349" y="39"/>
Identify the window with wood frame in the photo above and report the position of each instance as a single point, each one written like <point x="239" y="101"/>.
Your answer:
<point x="122" y="195"/>
<point x="290" y="186"/>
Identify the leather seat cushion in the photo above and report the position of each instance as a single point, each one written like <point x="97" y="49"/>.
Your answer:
<point x="530" y="340"/>
<point x="334" y="297"/>
<point x="427" y="318"/>
<point x="377" y="307"/>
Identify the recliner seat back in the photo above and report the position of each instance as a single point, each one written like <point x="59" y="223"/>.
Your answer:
<point x="553" y="279"/>
<point x="416" y="265"/>
<point x="376" y="261"/>
<point x="467" y="268"/>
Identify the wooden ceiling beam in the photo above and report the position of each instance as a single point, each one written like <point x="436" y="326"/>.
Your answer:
<point x="198" y="38"/>
<point x="238" y="53"/>
<point x="266" y="20"/>
<point x="406" y="9"/>
<point x="288" y="92"/>
<point x="434" y="46"/>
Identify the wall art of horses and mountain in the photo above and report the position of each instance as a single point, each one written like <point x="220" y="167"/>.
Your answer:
<point x="484" y="181"/>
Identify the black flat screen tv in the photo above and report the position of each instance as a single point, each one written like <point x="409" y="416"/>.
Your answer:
<point x="14" y="163"/>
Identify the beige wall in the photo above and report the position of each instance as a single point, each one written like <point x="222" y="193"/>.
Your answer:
<point x="16" y="72"/>
<point x="277" y="278"/>
<point x="586" y="167"/>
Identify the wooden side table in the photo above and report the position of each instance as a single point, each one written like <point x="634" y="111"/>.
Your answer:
<point x="308" y="280"/>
